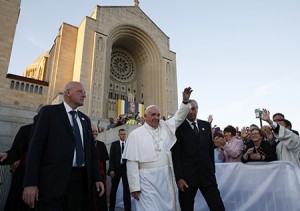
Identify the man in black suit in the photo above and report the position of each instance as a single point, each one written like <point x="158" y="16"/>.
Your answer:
<point x="16" y="157"/>
<point x="117" y="170"/>
<point x="100" y="203"/>
<point x="194" y="166"/>
<point x="61" y="161"/>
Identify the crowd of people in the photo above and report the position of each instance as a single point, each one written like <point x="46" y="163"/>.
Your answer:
<point x="254" y="144"/>
<point x="128" y="118"/>
<point x="58" y="163"/>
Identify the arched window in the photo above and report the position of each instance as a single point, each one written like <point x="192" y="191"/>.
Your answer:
<point x="41" y="90"/>
<point x="31" y="88"/>
<point x="36" y="88"/>
<point x="26" y="87"/>
<point x="12" y="84"/>
<point x="17" y="85"/>
<point x="22" y="87"/>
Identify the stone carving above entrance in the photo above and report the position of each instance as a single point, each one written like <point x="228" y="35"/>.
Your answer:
<point x="122" y="66"/>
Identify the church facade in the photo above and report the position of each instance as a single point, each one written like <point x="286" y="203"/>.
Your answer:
<point x="117" y="52"/>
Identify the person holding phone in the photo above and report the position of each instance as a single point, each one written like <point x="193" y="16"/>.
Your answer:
<point x="257" y="149"/>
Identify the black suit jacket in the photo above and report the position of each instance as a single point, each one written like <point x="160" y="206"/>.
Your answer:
<point x="51" y="150"/>
<point x="193" y="155"/>
<point x="115" y="158"/>
<point x="19" y="147"/>
<point x="102" y="154"/>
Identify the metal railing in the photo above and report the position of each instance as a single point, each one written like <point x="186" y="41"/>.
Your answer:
<point x="5" y="179"/>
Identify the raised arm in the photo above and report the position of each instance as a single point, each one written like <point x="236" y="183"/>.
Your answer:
<point x="186" y="94"/>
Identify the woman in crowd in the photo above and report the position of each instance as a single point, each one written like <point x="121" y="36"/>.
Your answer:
<point x="257" y="149"/>
<point x="245" y="133"/>
<point x="219" y="141"/>
<point x="233" y="148"/>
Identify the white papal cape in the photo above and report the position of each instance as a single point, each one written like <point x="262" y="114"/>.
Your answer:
<point x="289" y="146"/>
<point x="149" y="163"/>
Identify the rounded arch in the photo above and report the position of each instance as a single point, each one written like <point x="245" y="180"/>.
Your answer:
<point x="146" y="58"/>
<point x="130" y="37"/>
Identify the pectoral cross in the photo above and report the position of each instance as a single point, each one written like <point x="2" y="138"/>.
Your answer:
<point x="136" y="3"/>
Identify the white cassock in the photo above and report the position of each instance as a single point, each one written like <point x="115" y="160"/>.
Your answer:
<point x="149" y="163"/>
<point x="289" y="146"/>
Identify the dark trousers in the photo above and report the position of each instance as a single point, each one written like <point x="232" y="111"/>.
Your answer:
<point x="99" y="203"/>
<point x="76" y="198"/>
<point x="114" y="187"/>
<point x="14" y="201"/>
<point x="211" y="195"/>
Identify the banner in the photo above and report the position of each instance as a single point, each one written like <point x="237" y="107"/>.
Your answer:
<point x="253" y="186"/>
<point x="125" y="107"/>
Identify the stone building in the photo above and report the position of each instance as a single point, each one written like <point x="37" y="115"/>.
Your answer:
<point x="19" y="96"/>
<point x="117" y="52"/>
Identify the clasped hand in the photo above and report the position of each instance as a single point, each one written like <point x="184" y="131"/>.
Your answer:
<point x="253" y="155"/>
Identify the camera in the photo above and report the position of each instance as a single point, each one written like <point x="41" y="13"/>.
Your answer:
<point x="258" y="113"/>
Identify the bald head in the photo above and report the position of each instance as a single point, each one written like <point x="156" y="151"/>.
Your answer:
<point x="74" y="94"/>
<point x="71" y="85"/>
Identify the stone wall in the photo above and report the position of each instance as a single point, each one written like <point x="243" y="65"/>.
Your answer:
<point x="9" y="16"/>
<point x="11" y="119"/>
<point x="111" y="135"/>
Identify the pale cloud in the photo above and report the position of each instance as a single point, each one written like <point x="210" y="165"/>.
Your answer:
<point x="37" y="42"/>
<point x="262" y="90"/>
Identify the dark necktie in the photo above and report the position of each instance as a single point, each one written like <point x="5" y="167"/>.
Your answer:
<point x="122" y="147"/>
<point x="195" y="128"/>
<point x="76" y="132"/>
